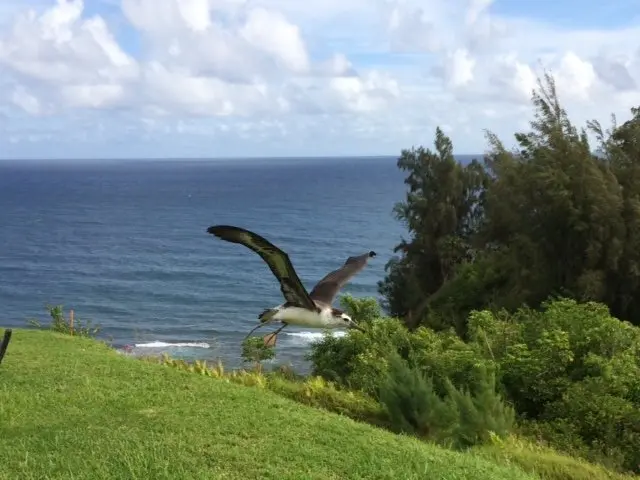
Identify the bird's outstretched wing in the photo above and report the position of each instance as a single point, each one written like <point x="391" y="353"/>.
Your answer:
<point x="327" y="288"/>
<point x="277" y="260"/>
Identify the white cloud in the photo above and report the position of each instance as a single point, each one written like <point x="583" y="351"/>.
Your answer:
<point x="27" y="102"/>
<point x="331" y="76"/>
<point x="413" y="29"/>
<point x="60" y="47"/>
<point x="179" y="92"/>
<point x="460" y="66"/>
<point x="577" y="77"/>
<point x="271" y="33"/>
<point x="92" y="96"/>
<point x="365" y="95"/>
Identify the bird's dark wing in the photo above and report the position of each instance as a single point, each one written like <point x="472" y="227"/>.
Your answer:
<point x="327" y="288"/>
<point x="278" y="261"/>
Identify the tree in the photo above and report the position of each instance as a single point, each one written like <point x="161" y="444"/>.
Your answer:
<point x="549" y="218"/>
<point x="554" y="210"/>
<point x="441" y="212"/>
<point x="620" y="150"/>
<point x="255" y="350"/>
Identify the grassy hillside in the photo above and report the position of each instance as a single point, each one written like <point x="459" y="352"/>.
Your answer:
<point x="72" y="408"/>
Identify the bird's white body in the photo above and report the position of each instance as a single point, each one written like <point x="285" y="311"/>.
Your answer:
<point x="306" y="309"/>
<point x="307" y="318"/>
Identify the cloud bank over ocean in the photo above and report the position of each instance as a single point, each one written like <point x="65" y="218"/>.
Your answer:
<point x="150" y="78"/>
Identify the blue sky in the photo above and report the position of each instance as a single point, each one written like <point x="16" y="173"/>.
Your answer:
<point x="205" y="78"/>
<point x="573" y="14"/>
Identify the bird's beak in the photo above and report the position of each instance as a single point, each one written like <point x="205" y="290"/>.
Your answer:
<point x="355" y="326"/>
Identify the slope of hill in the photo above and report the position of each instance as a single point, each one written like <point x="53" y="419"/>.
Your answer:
<point x="73" y="408"/>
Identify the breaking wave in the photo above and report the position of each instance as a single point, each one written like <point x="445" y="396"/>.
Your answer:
<point x="312" y="336"/>
<point x="158" y="344"/>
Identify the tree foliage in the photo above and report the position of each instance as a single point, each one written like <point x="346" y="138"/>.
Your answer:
<point x="441" y="211"/>
<point x="255" y="350"/>
<point x="459" y="418"/>
<point x="570" y="371"/>
<point x="549" y="218"/>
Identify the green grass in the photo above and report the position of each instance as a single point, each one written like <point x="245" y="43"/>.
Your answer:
<point x="546" y="462"/>
<point x="70" y="407"/>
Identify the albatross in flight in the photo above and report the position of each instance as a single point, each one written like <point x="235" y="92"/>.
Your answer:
<point x="300" y="307"/>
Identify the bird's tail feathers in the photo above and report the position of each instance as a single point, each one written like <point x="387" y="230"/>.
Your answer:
<point x="267" y="315"/>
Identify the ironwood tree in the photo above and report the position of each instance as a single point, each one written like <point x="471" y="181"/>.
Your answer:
<point x="552" y="217"/>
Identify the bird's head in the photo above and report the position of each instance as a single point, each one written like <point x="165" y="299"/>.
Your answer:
<point x="345" y="321"/>
<point x="372" y="254"/>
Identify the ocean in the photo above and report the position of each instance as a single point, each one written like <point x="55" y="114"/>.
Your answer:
<point x="124" y="244"/>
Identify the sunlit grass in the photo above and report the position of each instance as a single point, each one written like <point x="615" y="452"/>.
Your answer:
<point x="70" y="407"/>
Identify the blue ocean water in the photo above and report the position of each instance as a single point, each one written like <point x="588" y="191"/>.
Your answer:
<point x="124" y="244"/>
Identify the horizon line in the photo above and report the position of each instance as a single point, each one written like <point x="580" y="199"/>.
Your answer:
<point x="244" y="157"/>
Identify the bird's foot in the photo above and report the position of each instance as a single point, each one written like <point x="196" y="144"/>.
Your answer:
<point x="270" y="339"/>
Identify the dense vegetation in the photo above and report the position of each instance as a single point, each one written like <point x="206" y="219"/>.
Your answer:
<point x="567" y="373"/>
<point x="513" y="302"/>
<point x="551" y="218"/>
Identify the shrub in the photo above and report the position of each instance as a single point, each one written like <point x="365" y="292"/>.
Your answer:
<point x="70" y="326"/>
<point x="413" y="405"/>
<point x="254" y="350"/>
<point x="362" y="310"/>
<point x="458" y="418"/>
<point x="481" y="411"/>
<point x="360" y="360"/>
<point x="574" y="369"/>
<point x="608" y="424"/>
<point x="570" y="370"/>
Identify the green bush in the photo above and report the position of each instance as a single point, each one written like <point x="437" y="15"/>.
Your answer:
<point x="575" y="370"/>
<point x="459" y="418"/>
<point x="481" y="411"/>
<point x="70" y="326"/>
<point x="362" y="310"/>
<point x="360" y="360"/>
<point x="570" y="370"/>
<point x="413" y="405"/>
<point x="608" y="424"/>
<point x="254" y="350"/>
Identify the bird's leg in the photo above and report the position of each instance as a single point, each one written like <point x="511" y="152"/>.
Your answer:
<point x="280" y="329"/>
<point x="261" y="324"/>
<point x="270" y="339"/>
<point x="253" y="330"/>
